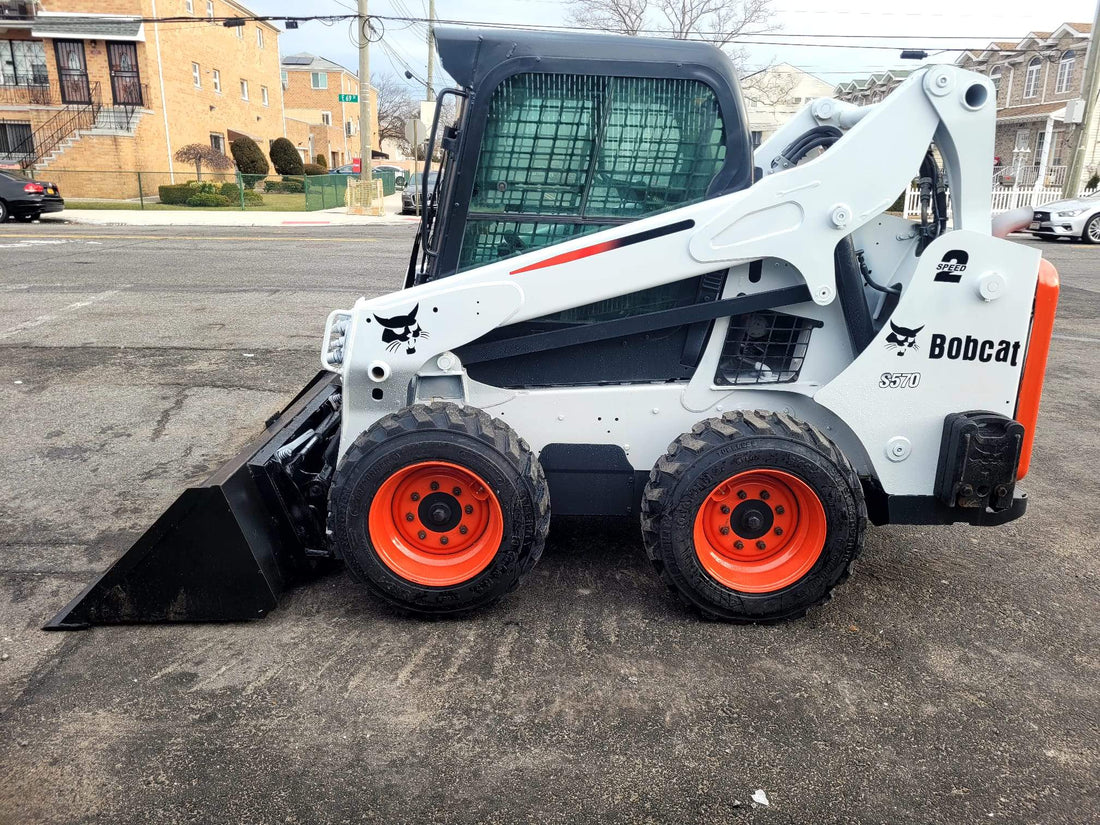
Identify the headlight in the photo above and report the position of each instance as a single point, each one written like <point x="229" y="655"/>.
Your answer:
<point x="1072" y="213"/>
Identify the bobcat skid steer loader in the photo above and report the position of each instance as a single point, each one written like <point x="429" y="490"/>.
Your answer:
<point x="615" y="307"/>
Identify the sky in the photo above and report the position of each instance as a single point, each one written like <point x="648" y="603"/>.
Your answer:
<point x="848" y="27"/>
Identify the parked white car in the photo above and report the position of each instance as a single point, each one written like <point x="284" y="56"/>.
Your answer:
<point x="1075" y="218"/>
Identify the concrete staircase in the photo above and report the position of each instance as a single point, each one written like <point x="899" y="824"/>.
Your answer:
<point x="110" y="121"/>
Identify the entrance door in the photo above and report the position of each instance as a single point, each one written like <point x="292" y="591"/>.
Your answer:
<point x="125" y="80"/>
<point x="73" y="71"/>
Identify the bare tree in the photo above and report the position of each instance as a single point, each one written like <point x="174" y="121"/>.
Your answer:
<point x="719" y="22"/>
<point x="770" y="86"/>
<point x="200" y="153"/>
<point x="395" y="106"/>
<point x="619" y="16"/>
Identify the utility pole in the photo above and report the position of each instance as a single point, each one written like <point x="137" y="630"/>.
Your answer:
<point x="364" y="97"/>
<point x="1091" y="92"/>
<point x="431" y="47"/>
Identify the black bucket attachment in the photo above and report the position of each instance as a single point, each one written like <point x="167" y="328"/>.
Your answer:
<point x="226" y="550"/>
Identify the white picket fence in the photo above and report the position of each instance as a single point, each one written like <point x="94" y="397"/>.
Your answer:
<point x="1004" y="198"/>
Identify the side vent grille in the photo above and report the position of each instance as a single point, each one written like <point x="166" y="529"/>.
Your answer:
<point x="764" y="347"/>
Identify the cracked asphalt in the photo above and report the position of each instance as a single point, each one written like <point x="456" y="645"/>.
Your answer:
<point x="954" y="679"/>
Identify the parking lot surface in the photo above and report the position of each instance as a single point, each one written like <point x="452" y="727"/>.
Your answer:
<point x="953" y="679"/>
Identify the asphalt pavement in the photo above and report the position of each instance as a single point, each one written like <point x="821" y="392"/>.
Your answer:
<point x="954" y="678"/>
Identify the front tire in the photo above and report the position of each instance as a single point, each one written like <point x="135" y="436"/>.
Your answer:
<point x="753" y="517"/>
<point x="3" y="211"/>
<point x="1091" y="235"/>
<point x="439" y="509"/>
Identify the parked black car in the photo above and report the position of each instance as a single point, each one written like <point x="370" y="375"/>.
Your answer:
<point x="27" y="199"/>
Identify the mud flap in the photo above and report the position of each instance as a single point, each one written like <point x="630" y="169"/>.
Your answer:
<point x="225" y="550"/>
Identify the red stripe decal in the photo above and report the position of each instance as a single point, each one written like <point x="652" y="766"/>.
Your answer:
<point x="607" y="246"/>
<point x="575" y="255"/>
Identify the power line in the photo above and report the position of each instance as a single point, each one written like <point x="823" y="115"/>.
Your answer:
<point x="747" y="39"/>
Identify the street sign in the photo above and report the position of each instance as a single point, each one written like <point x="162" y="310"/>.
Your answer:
<point x="348" y="98"/>
<point x="427" y="112"/>
<point x="415" y="131"/>
<point x="357" y="165"/>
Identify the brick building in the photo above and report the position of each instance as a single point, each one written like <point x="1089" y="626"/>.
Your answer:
<point x="1040" y="83"/>
<point x="868" y="90"/>
<point x="776" y="95"/>
<point x="86" y="85"/>
<point x="1038" y="80"/>
<point x="317" y="121"/>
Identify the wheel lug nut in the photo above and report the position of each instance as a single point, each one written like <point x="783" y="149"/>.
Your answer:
<point x="741" y="494"/>
<point x="443" y="539"/>
<point x="725" y="531"/>
<point x="421" y="535"/>
<point x="468" y="509"/>
<point x="457" y="491"/>
<point x="764" y="494"/>
<point x="415" y="496"/>
<point x="779" y="531"/>
<point x="725" y="510"/>
<point x="761" y="546"/>
<point x="464" y="529"/>
<point x="434" y="485"/>
<point x="739" y="545"/>
<point x="409" y="517"/>
<point x="780" y="509"/>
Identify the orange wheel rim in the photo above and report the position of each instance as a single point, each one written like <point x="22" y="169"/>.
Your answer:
<point x="760" y="531"/>
<point x="435" y="523"/>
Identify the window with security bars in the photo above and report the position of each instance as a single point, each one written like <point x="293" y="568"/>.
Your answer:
<point x="764" y="348"/>
<point x="584" y="152"/>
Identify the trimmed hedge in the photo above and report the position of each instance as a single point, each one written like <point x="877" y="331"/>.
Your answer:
<point x="233" y="193"/>
<point x="286" y="186"/>
<point x="285" y="157"/>
<point x="249" y="157"/>
<point x="315" y="169"/>
<point x="207" y="199"/>
<point x="177" y="193"/>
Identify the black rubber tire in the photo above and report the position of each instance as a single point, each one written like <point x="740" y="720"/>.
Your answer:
<point x="3" y="211"/>
<point x="718" y="448"/>
<point x="461" y="435"/>
<point x="1085" y="232"/>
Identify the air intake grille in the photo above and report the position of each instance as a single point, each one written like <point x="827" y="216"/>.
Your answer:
<point x="764" y="348"/>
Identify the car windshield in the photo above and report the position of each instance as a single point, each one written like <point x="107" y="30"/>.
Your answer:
<point x="418" y="179"/>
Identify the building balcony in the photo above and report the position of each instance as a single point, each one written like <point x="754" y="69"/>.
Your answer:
<point x="41" y="95"/>
<point x="1027" y="175"/>
<point x="13" y="10"/>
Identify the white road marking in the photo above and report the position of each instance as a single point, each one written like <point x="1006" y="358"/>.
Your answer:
<point x="45" y="319"/>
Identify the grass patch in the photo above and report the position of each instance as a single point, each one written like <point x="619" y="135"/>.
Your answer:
<point x="272" y="203"/>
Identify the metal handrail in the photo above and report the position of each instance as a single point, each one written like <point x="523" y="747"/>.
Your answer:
<point x="17" y="94"/>
<point x="50" y="134"/>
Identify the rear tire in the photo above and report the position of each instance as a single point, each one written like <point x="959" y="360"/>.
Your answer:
<point x="439" y="509"/>
<point x="753" y="517"/>
<point x="3" y="211"/>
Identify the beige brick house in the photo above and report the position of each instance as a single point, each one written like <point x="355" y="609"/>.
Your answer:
<point x="318" y="122"/>
<point x="86" y="85"/>
<point x="1038" y="80"/>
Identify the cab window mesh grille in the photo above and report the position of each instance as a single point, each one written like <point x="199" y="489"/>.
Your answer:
<point x="598" y="150"/>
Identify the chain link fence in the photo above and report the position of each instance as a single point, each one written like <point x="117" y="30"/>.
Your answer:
<point x="123" y="189"/>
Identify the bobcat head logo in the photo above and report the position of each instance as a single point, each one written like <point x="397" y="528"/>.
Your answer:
<point x="401" y="329"/>
<point x="902" y="338"/>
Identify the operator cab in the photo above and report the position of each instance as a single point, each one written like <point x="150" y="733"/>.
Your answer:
<point x="560" y="135"/>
